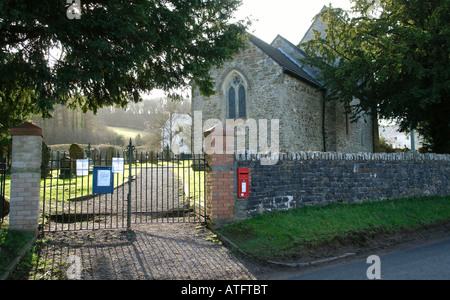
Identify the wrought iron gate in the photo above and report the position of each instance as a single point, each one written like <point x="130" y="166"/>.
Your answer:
<point x="148" y="188"/>
<point x="4" y="204"/>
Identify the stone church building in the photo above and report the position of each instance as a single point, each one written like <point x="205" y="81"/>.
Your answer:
<point x="266" y="81"/>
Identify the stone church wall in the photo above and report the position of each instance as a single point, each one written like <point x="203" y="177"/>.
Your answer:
<point x="341" y="135"/>
<point x="302" y="117"/>
<point x="352" y="137"/>
<point x="271" y="94"/>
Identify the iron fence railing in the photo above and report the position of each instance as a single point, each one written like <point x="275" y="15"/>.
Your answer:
<point x="4" y="202"/>
<point x="148" y="188"/>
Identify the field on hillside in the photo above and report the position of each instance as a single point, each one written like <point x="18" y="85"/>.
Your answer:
<point x="126" y="132"/>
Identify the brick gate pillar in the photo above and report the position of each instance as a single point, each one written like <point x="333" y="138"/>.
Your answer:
<point x="25" y="177"/>
<point x="220" y="184"/>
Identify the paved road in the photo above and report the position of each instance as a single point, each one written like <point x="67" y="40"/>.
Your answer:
<point x="427" y="262"/>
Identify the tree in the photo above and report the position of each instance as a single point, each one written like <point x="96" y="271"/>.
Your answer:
<point x="163" y="126"/>
<point x="113" y="53"/>
<point x="73" y="126"/>
<point x="392" y="55"/>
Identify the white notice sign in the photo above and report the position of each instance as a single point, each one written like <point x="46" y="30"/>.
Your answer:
<point x="82" y="167"/>
<point x="117" y="165"/>
<point x="104" y="178"/>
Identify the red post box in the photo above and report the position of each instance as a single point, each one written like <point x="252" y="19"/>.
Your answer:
<point x="243" y="182"/>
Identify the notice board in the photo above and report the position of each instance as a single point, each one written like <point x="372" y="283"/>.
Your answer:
<point x="103" y="180"/>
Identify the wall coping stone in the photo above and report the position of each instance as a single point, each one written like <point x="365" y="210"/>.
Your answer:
<point x="306" y="156"/>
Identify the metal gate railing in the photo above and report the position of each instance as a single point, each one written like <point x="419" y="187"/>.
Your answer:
<point x="4" y="205"/>
<point x="148" y="188"/>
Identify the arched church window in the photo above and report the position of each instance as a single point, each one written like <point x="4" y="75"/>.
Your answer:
<point x="237" y="98"/>
<point x="232" y="103"/>
<point x="242" y="104"/>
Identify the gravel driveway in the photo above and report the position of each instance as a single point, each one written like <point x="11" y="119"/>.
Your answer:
<point x="177" y="251"/>
<point x="156" y="251"/>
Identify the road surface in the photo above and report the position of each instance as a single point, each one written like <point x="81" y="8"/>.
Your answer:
<point x="427" y="262"/>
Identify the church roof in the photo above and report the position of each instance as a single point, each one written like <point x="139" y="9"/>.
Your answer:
<point x="302" y="53"/>
<point x="289" y="67"/>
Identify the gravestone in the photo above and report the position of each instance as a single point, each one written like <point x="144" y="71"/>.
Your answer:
<point x="95" y="156"/>
<point x="76" y="151"/>
<point x="107" y="152"/>
<point x="45" y="163"/>
<point x="65" y="166"/>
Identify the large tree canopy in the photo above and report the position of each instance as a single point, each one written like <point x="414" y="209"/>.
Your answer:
<point x="117" y="50"/>
<point x="393" y="55"/>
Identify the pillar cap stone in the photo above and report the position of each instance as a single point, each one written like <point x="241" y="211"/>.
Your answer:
<point x="27" y="129"/>
<point x="218" y="132"/>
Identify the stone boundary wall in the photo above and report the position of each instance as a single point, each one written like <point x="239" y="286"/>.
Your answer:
<point x="315" y="178"/>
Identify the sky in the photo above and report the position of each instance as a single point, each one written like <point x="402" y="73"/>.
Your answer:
<point x="288" y="18"/>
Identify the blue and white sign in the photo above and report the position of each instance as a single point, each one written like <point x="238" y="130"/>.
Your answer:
<point x="103" y="180"/>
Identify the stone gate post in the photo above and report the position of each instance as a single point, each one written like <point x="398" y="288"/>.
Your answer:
<point x="25" y="177"/>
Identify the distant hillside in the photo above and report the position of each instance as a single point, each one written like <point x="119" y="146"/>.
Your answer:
<point x="127" y="133"/>
<point x="134" y="116"/>
<point x="72" y="126"/>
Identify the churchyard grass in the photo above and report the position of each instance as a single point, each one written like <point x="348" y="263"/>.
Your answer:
<point x="66" y="189"/>
<point x="193" y="180"/>
<point x="80" y="186"/>
<point x="298" y="232"/>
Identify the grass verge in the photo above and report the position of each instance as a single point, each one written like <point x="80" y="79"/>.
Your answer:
<point x="306" y="231"/>
<point x="11" y="242"/>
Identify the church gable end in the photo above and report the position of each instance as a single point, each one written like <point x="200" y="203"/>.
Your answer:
<point x="265" y="82"/>
<point x="251" y="76"/>
<point x="288" y="64"/>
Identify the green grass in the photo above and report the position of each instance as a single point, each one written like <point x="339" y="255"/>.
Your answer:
<point x="69" y="188"/>
<point x="193" y="181"/>
<point x="56" y="192"/>
<point x="77" y="186"/>
<point x="11" y="242"/>
<point x="290" y="233"/>
<point x="7" y="185"/>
